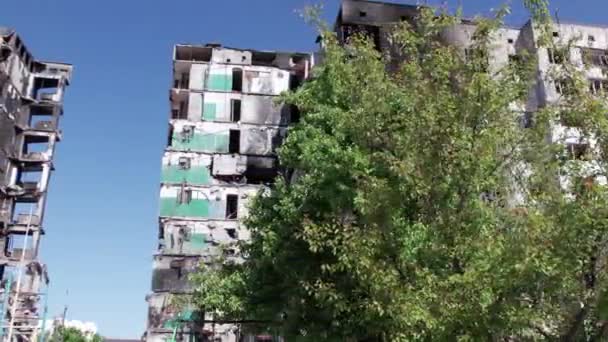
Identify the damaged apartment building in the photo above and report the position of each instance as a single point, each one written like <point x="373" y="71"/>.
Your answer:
<point x="31" y="96"/>
<point x="224" y="128"/>
<point x="589" y="51"/>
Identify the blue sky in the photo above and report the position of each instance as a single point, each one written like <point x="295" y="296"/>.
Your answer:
<point x="101" y="218"/>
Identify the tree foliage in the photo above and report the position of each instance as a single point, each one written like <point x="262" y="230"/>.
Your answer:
<point x="419" y="209"/>
<point x="66" y="334"/>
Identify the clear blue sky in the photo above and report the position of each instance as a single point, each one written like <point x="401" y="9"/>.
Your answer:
<point x="101" y="218"/>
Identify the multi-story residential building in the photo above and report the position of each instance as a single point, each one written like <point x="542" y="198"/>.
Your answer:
<point x="224" y="128"/>
<point x="31" y="96"/>
<point x="588" y="51"/>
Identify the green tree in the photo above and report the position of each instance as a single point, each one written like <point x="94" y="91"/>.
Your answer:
<point x="63" y="334"/>
<point x="419" y="209"/>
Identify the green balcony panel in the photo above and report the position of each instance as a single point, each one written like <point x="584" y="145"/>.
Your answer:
<point x="195" y="208"/>
<point x="197" y="175"/>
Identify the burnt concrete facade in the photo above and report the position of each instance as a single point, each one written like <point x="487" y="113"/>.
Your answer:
<point x="588" y="52"/>
<point x="31" y="104"/>
<point x="224" y="128"/>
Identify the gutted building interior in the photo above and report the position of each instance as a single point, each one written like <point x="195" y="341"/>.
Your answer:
<point x="31" y="104"/>
<point x="224" y="128"/>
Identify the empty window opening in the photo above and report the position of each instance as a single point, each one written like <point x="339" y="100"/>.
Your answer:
<point x="187" y="134"/>
<point x="18" y="244"/>
<point x="555" y="34"/>
<point x="35" y="144"/>
<point x="577" y="151"/>
<point x="563" y="87"/>
<point x="591" y="38"/>
<point x="235" y="110"/>
<point x="515" y="60"/>
<point x="237" y="79"/>
<point x="371" y="32"/>
<point x="170" y="136"/>
<point x="557" y="56"/>
<point x="22" y="210"/>
<point x="184" y="81"/>
<point x="260" y="175"/>
<point x="232" y="233"/>
<point x="294" y="81"/>
<point x="595" y="57"/>
<point x="510" y="41"/>
<point x="193" y="53"/>
<point x="5" y="53"/>
<point x="362" y="14"/>
<point x="404" y="18"/>
<point x="42" y="123"/>
<point x="232" y="206"/>
<point x="29" y="179"/>
<point x="41" y="117"/>
<point x="45" y="88"/>
<point x="295" y="113"/>
<point x="234" y="145"/>
<point x="181" y="112"/>
<point x="184" y="163"/>
<point x="598" y="86"/>
<point x="184" y="196"/>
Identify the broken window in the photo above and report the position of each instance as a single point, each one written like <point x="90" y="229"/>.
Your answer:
<point x="234" y="144"/>
<point x="232" y="233"/>
<point x="187" y="133"/>
<point x="184" y="196"/>
<point x="184" y="163"/>
<point x="369" y="31"/>
<point x="294" y="81"/>
<point x="595" y="57"/>
<point x="591" y="38"/>
<point x="41" y="118"/>
<point x="563" y="87"/>
<point x="33" y="144"/>
<point x="569" y="119"/>
<point x="557" y="56"/>
<point x="5" y="52"/>
<point x="21" y="213"/>
<point x="295" y="113"/>
<point x="29" y="179"/>
<point x="184" y="81"/>
<point x="170" y="136"/>
<point x="45" y="89"/>
<point x="235" y="110"/>
<point x="232" y="207"/>
<point x="577" y="151"/>
<point x="181" y="112"/>
<point x="515" y="60"/>
<point x="237" y="79"/>
<point x="598" y="86"/>
<point x="20" y="246"/>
